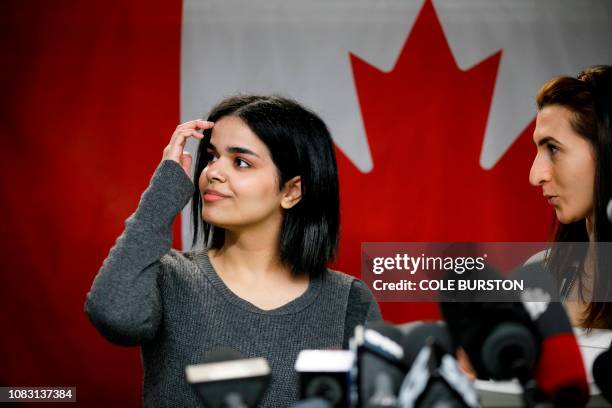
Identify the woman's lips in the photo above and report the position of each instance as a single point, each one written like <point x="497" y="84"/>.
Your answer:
<point x="212" y="196"/>
<point x="552" y="200"/>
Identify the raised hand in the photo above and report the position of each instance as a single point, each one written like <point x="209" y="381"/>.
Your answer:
<point x="175" y="149"/>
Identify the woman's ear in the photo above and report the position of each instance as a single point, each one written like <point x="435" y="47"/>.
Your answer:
<point x="292" y="193"/>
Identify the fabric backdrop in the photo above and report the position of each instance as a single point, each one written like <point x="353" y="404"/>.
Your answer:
<point x="430" y="104"/>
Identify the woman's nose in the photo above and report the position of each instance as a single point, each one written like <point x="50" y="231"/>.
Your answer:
<point x="540" y="171"/>
<point x="215" y="172"/>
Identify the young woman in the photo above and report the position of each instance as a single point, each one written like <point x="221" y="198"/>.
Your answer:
<point x="266" y="202"/>
<point x="573" y="166"/>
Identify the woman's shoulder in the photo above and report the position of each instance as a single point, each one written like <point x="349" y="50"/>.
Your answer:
<point x="538" y="257"/>
<point x="358" y="290"/>
<point x="347" y="281"/>
<point x="339" y="278"/>
<point x="361" y="306"/>
<point x="178" y="260"/>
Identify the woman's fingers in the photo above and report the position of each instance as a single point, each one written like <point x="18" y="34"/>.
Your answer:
<point x="196" y="124"/>
<point x="174" y="150"/>
<point x="190" y="129"/>
<point x="181" y="136"/>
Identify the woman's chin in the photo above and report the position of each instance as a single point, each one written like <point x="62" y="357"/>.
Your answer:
<point x="565" y="218"/>
<point x="211" y="217"/>
<point x="217" y="222"/>
<point x="212" y="221"/>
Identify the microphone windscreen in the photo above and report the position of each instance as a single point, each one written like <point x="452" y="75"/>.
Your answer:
<point x="325" y="374"/>
<point x="221" y="354"/>
<point x="225" y="378"/>
<point x="511" y="350"/>
<point x="560" y="371"/>
<point x="471" y="322"/>
<point x="386" y="329"/>
<point x="380" y="362"/>
<point x="602" y="373"/>
<point x="383" y="339"/>
<point x="419" y="334"/>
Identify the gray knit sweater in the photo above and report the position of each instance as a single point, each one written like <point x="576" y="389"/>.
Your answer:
<point x="174" y="305"/>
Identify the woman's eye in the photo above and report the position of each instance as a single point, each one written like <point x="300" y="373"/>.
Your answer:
<point x="552" y="148"/>
<point x="210" y="157"/>
<point x="241" y="163"/>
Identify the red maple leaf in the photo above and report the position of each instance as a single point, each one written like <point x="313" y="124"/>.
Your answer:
<point x="425" y="122"/>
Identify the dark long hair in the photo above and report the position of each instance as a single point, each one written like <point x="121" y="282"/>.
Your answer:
<point x="300" y="145"/>
<point x="589" y="98"/>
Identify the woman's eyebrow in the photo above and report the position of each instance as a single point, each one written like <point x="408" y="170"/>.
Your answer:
<point x="241" y="150"/>
<point x="235" y="150"/>
<point x="547" y="139"/>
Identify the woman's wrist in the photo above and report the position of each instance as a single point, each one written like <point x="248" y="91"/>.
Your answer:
<point x="169" y="191"/>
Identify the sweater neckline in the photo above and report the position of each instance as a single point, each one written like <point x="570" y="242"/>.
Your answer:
<point x="294" y="306"/>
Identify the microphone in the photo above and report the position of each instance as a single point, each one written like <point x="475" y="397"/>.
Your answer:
<point x="312" y="403"/>
<point x="602" y="373"/>
<point x="560" y="371"/>
<point x="417" y="334"/>
<point x="435" y="379"/>
<point x="325" y="375"/>
<point x="499" y="337"/>
<point x="227" y="380"/>
<point x="381" y="364"/>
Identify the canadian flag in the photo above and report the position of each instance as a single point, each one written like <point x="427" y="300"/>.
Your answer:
<point x="430" y="103"/>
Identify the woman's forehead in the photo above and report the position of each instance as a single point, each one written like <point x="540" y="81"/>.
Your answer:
<point x="554" y="121"/>
<point x="231" y="131"/>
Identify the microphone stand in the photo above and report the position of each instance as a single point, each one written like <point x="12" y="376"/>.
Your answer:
<point x="528" y="383"/>
<point x="234" y="400"/>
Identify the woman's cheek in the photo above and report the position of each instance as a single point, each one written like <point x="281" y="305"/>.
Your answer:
<point x="255" y="186"/>
<point x="202" y="182"/>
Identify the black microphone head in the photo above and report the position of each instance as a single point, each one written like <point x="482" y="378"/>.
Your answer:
<point x="471" y="323"/>
<point x="417" y="335"/>
<point x="221" y="354"/>
<point x="327" y="375"/>
<point x="540" y="285"/>
<point x="226" y="379"/>
<point x="602" y="373"/>
<point x="435" y="380"/>
<point x="509" y="351"/>
<point x="382" y="339"/>
<point x="380" y="362"/>
<point x="440" y="395"/>
<point x="386" y="329"/>
<point x="562" y="380"/>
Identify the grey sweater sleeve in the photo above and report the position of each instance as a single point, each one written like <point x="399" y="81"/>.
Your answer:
<point x="124" y="302"/>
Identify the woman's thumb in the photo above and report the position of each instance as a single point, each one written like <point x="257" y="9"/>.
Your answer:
<point x="185" y="161"/>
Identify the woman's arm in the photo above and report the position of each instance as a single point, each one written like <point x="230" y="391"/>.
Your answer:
<point x="124" y="302"/>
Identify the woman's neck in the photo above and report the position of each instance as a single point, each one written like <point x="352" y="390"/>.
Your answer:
<point x="590" y="229"/>
<point x="249" y="265"/>
<point x="252" y="252"/>
<point x="590" y="257"/>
